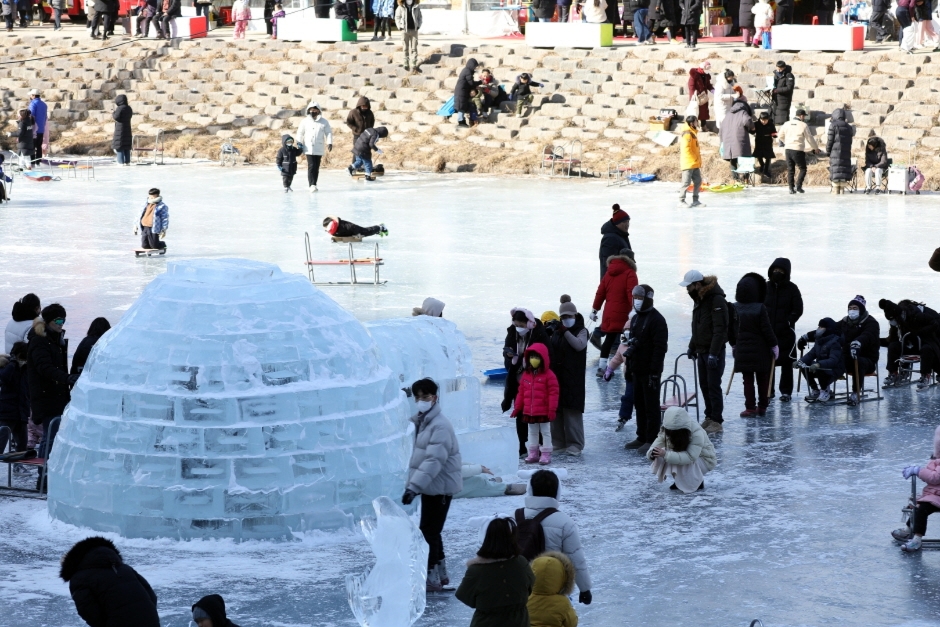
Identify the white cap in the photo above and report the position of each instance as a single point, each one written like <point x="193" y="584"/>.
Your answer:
<point x="34" y="92"/>
<point x="691" y="277"/>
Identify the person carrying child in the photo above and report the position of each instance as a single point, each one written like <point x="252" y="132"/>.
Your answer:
<point x="522" y="92"/>
<point x="337" y="227"/>
<point x="927" y="504"/>
<point x="823" y="363"/>
<point x="537" y="402"/>
<point x="554" y="581"/>
<point x="25" y="138"/>
<point x="682" y="451"/>
<point x="278" y="14"/>
<point x="363" y="148"/>
<point x="286" y="161"/>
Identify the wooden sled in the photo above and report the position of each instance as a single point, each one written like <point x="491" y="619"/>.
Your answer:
<point x="149" y="252"/>
<point x="362" y="175"/>
<point x="345" y="240"/>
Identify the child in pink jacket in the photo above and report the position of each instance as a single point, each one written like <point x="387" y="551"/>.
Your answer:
<point x="929" y="501"/>
<point x="537" y="402"/>
<point x="241" y="13"/>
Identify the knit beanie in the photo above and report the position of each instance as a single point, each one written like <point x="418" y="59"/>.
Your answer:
<point x="891" y="309"/>
<point x="619" y="215"/>
<point x="860" y="301"/>
<point x="567" y="307"/>
<point x="645" y="292"/>
<point x="548" y="316"/>
<point x="53" y="311"/>
<point x="626" y="252"/>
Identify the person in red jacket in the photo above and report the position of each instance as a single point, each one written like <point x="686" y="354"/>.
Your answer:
<point x="616" y="289"/>
<point x="537" y="402"/>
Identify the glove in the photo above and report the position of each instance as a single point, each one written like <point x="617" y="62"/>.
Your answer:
<point x="855" y="344"/>
<point x="585" y="597"/>
<point x="798" y="364"/>
<point x="608" y="374"/>
<point x="74" y="377"/>
<point x="593" y="315"/>
<point x="162" y="234"/>
<point x="713" y="362"/>
<point x="776" y="352"/>
<point x="691" y="354"/>
<point x="853" y="352"/>
<point x="505" y="405"/>
<point x="910" y="471"/>
<point x="408" y="497"/>
<point x="801" y="343"/>
<point x="654" y="381"/>
<point x="329" y="147"/>
<point x="814" y="368"/>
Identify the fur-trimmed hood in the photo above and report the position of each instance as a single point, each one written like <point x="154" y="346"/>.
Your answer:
<point x="39" y="326"/>
<point x="709" y="284"/>
<point x="104" y="552"/>
<point x="630" y="262"/>
<point x="554" y="574"/>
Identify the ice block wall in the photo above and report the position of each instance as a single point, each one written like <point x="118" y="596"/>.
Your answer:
<point x="232" y="400"/>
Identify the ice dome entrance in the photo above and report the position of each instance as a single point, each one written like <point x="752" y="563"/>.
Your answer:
<point x="232" y="400"/>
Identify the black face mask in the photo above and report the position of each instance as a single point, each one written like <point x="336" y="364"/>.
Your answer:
<point x="777" y="277"/>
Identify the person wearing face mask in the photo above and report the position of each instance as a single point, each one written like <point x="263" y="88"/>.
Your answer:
<point x="707" y="345"/>
<point x="434" y="473"/>
<point x="785" y="306"/>
<point x="616" y="290"/>
<point x="646" y="349"/>
<point x="14" y="397"/>
<point x="315" y="136"/>
<point x="569" y="361"/>
<point x="910" y="345"/>
<point x="524" y="331"/>
<point x="154" y="221"/>
<point x="286" y="161"/>
<point x="823" y="364"/>
<point x="753" y="342"/>
<point x="921" y="325"/>
<point x="536" y="403"/>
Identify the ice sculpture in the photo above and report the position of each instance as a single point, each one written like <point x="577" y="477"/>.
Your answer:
<point x="232" y="400"/>
<point x="392" y="594"/>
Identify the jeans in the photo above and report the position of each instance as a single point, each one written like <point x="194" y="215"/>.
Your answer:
<point x="626" y="401"/>
<point x="709" y="383"/>
<point x="691" y="177"/>
<point x="202" y="9"/>
<point x="57" y="18"/>
<point x="411" y="49"/>
<point x="873" y="173"/>
<point x="365" y="162"/>
<point x="646" y="401"/>
<point x="433" y="516"/>
<point x="9" y="21"/>
<point x="163" y="26"/>
<point x="563" y="13"/>
<point x="149" y="239"/>
<point x="640" y="26"/>
<point x="123" y="157"/>
<point x="796" y="159"/>
<point x="763" y="382"/>
<point x="313" y="169"/>
<point x="461" y="117"/>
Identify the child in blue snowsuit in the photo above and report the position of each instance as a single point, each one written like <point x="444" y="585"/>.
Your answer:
<point x="363" y="147"/>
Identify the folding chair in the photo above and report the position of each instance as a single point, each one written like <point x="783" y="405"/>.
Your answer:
<point x="745" y="168"/>
<point x="675" y="392"/>
<point x="852" y="184"/>
<point x="863" y="391"/>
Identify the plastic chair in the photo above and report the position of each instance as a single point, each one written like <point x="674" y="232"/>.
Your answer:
<point x="745" y="168"/>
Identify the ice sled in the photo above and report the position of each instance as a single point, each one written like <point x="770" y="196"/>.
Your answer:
<point x="149" y="252"/>
<point x="642" y="178"/>
<point x="496" y="374"/>
<point x="37" y="176"/>
<point x="447" y="109"/>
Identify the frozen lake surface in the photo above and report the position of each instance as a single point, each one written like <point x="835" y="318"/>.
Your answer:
<point x="793" y="527"/>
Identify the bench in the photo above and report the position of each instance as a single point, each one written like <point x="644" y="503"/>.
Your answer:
<point x="303" y="25"/>
<point x="40" y="461"/>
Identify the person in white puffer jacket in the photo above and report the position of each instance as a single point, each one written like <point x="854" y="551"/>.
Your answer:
<point x="25" y="310"/>
<point x="561" y="534"/>
<point x="316" y="137"/>
<point x="724" y="95"/>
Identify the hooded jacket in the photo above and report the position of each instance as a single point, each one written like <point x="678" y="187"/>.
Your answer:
<point x="561" y="534"/>
<point x="920" y="320"/>
<point x="14" y="391"/>
<point x="498" y="591"/>
<point x="752" y="337"/>
<point x="537" y="398"/>
<point x="699" y="80"/>
<point x="465" y="83"/>
<point x="700" y="446"/>
<point x="839" y="147"/>
<point x="616" y="290"/>
<point x="930" y="474"/>
<point x="359" y="119"/>
<point x="598" y="14"/>
<point x="106" y="591"/>
<point x="735" y="131"/>
<point x="161" y="217"/>
<point x="401" y="16"/>
<point x="613" y="240"/>
<point x="429" y="307"/>
<point x="650" y="334"/>
<point x="724" y="97"/>
<point x="877" y="158"/>
<point x="690" y="157"/>
<point x="795" y="135"/>
<point x="784" y="306"/>
<point x="782" y="95"/>
<point x="435" y="463"/>
<point x="214" y="606"/>
<point x="286" y="159"/>
<point x="709" y="318"/>
<point x="368" y="141"/>
<point x="763" y="14"/>
<point x="21" y="321"/>
<point x="827" y="352"/>
<point x="536" y="334"/>
<point x="123" y="136"/>
<point x="569" y="362"/>
<point x="314" y="135"/>
<point x="47" y="366"/>
<point x="554" y="581"/>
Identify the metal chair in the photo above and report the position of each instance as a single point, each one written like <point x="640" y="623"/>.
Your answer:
<point x="862" y="393"/>
<point x="675" y="392"/>
<point x="907" y="513"/>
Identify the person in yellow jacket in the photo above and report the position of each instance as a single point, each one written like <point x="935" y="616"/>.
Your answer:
<point x="554" y="580"/>
<point x="690" y="161"/>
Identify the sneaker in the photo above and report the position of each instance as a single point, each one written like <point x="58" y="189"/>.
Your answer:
<point x="890" y="381"/>
<point x="749" y="413"/>
<point x="812" y="397"/>
<point x="784" y="398"/>
<point x="824" y="395"/>
<point x="637" y="443"/>
<point x="621" y="423"/>
<point x="573" y="451"/>
<point x="902" y="535"/>
<point x="351" y="170"/>
<point x="792" y="191"/>
<point x="683" y="204"/>
<point x="383" y="232"/>
<point x="20" y="469"/>
<point x="370" y="177"/>
<point x="912" y="545"/>
<point x="643" y="450"/>
<point x="696" y="203"/>
<point x="313" y="188"/>
<point x="925" y="382"/>
<point x="851" y="401"/>
<point x="714" y="427"/>
<point x="442" y="572"/>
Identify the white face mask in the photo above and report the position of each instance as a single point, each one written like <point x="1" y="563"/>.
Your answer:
<point x="853" y="314"/>
<point x="568" y="322"/>
<point x="522" y="331"/>
<point x="637" y="305"/>
<point x="820" y="332"/>
<point x="424" y="406"/>
<point x="893" y="323"/>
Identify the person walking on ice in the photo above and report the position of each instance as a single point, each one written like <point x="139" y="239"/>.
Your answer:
<point x="153" y="222"/>
<point x="690" y="162"/>
<point x="315" y="137"/>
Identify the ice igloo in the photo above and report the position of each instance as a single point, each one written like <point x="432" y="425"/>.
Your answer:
<point x="232" y="400"/>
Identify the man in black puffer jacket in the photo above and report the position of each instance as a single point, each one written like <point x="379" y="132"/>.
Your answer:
<point x="47" y="368"/>
<point x="785" y="306"/>
<point x="647" y="344"/>
<point x="106" y="591"/>
<point x="210" y="610"/>
<point x="615" y="236"/>
<point x="839" y="149"/>
<point x="782" y="93"/>
<point x="707" y="345"/>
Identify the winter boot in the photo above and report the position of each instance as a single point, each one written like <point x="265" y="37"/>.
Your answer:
<point x="824" y="395"/>
<point x="434" y="580"/>
<point x="533" y="455"/>
<point x="442" y="572"/>
<point x="925" y="382"/>
<point x="546" y="457"/>
<point x="601" y="367"/>
<point x="902" y="535"/>
<point x="890" y="381"/>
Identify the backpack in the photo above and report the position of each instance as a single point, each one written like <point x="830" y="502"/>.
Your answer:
<point x="529" y="533"/>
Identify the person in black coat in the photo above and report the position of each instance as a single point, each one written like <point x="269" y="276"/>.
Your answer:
<point x="753" y="342"/>
<point x="106" y="591"/>
<point x="665" y="15"/>
<point x="876" y="164"/>
<point x="764" y="134"/>
<point x="824" y="10"/>
<point x="99" y="326"/>
<point x="923" y="323"/>
<point x="465" y="84"/>
<point x="615" y="236"/>
<point x="879" y="20"/>
<point x="782" y="93"/>
<point x="839" y="149"/>
<point x="613" y="14"/>
<point x="785" y="307"/>
<point x="286" y="161"/>
<point x="524" y="331"/>
<point x="47" y="366"/>
<point x="14" y="397"/>
<point x="102" y="19"/>
<point x="122" y="140"/>
<point x="746" y="21"/>
<point x="543" y="10"/>
<point x="691" y="16"/>
<point x="209" y="611"/>
<point x="569" y="362"/>
<point x="647" y="344"/>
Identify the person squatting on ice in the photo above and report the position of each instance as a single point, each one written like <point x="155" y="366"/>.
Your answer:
<point x="435" y="474"/>
<point x="337" y="227"/>
<point x="153" y="222"/>
<point x="682" y="451"/>
<point x="645" y="353"/>
<point x="537" y="402"/>
<point x="753" y="343"/>
<point x="498" y="580"/>
<point x="929" y="501"/>
<point x="616" y="290"/>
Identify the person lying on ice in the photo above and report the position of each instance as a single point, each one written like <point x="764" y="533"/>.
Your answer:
<point x="337" y="227"/>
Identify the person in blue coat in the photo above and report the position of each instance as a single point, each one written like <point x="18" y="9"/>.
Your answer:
<point x="40" y="113"/>
<point x="154" y="221"/>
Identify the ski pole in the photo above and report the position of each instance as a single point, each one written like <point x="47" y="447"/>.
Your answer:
<point x="730" y="379"/>
<point x="770" y="387"/>
<point x="799" y="378"/>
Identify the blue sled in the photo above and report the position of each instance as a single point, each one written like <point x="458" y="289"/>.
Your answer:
<point x="496" y="373"/>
